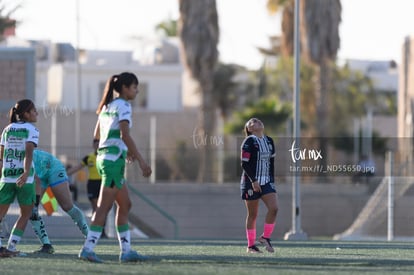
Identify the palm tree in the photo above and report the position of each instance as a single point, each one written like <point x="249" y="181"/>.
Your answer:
<point x="287" y="8"/>
<point x="5" y="19"/>
<point x="168" y="27"/>
<point x="199" y="33"/>
<point x="320" y="44"/>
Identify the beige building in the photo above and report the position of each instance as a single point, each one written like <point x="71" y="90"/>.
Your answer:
<point x="406" y="101"/>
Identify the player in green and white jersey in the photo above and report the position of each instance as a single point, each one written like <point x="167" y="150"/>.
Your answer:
<point x="17" y="144"/>
<point x="115" y="146"/>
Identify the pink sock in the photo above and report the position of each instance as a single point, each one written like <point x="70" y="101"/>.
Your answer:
<point x="251" y="236"/>
<point x="268" y="230"/>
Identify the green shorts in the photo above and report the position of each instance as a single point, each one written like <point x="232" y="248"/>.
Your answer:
<point x="112" y="172"/>
<point x="26" y="195"/>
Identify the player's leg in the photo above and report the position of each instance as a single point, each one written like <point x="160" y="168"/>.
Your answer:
<point x="93" y="188"/>
<point x="270" y="200"/>
<point x="64" y="198"/>
<point x="37" y="222"/>
<point x="124" y="204"/>
<point x="4" y="252"/>
<point x="25" y="198"/>
<point x="105" y="202"/>
<point x="252" y="207"/>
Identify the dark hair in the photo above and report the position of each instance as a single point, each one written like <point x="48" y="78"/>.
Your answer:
<point x="115" y="83"/>
<point x="21" y="107"/>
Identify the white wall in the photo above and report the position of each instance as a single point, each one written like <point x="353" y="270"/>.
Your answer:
<point x="163" y="81"/>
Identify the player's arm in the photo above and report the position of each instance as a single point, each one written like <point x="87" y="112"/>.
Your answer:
<point x="1" y="159"/>
<point x="75" y="169"/>
<point x="133" y="152"/>
<point x="38" y="186"/>
<point x="248" y="156"/>
<point x="247" y="159"/>
<point x="28" y="158"/>
<point x="96" y="132"/>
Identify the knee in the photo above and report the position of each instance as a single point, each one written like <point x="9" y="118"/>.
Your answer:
<point x="273" y="211"/>
<point x="125" y="207"/>
<point x="252" y="217"/>
<point x="66" y="207"/>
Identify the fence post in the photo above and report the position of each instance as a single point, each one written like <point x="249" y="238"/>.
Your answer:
<point x="389" y="163"/>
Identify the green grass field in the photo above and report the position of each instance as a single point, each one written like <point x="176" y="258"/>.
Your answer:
<point x="219" y="257"/>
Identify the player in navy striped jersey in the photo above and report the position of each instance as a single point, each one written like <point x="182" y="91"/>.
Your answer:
<point x="258" y="182"/>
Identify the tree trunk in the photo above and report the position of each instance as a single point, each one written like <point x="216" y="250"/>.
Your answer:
<point x="207" y="119"/>
<point x="322" y="112"/>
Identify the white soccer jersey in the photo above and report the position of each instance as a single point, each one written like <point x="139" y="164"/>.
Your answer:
<point x="14" y="138"/>
<point x="110" y="134"/>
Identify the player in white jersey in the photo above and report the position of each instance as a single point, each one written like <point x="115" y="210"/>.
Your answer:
<point x="115" y="147"/>
<point x="17" y="144"/>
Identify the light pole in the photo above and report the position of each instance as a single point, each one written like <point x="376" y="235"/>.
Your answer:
<point x="78" y="84"/>
<point x="296" y="232"/>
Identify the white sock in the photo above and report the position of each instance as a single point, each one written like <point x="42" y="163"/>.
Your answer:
<point x="91" y="240"/>
<point x="124" y="239"/>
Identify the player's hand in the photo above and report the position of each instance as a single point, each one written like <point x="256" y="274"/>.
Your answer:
<point x="256" y="187"/>
<point x="21" y="180"/>
<point x="146" y="169"/>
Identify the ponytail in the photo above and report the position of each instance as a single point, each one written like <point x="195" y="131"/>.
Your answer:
<point x="12" y="115"/>
<point x="115" y="83"/>
<point x="21" y="107"/>
<point x="108" y="94"/>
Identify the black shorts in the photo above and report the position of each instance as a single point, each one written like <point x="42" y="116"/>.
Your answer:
<point x="247" y="192"/>
<point x="93" y="187"/>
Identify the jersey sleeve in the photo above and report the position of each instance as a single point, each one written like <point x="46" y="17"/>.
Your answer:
<point x="33" y="135"/>
<point x="248" y="155"/>
<point x="125" y="112"/>
<point x="272" y="160"/>
<point x="3" y="138"/>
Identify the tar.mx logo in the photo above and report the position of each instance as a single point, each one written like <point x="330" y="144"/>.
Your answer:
<point x="201" y="139"/>
<point x="303" y="154"/>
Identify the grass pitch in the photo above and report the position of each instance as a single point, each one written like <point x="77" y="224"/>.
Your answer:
<point x="219" y="257"/>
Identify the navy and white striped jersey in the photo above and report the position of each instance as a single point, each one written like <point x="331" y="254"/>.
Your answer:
<point x="257" y="160"/>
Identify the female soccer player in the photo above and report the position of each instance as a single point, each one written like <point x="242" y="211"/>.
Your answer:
<point x="51" y="172"/>
<point x="115" y="147"/>
<point x="18" y="141"/>
<point x="258" y="182"/>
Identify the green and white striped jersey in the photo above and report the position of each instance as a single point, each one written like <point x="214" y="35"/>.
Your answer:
<point x="111" y="145"/>
<point x="14" y="138"/>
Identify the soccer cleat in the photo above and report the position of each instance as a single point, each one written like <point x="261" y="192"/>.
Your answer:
<point x="5" y="253"/>
<point x="253" y="249"/>
<point x="132" y="256"/>
<point x="267" y="244"/>
<point x="46" y="248"/>
<point x="89" y="256"/>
